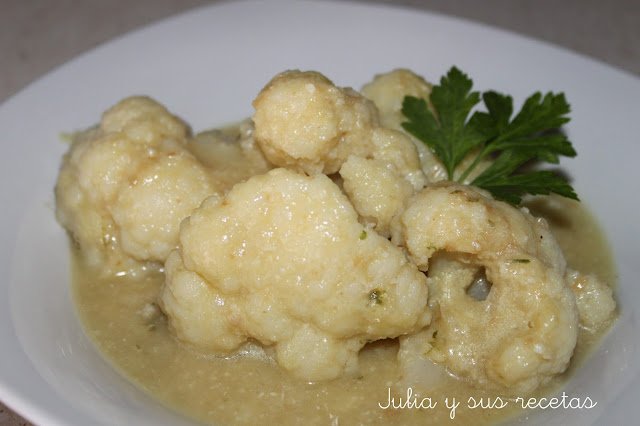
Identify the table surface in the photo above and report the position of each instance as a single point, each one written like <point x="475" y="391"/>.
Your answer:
<point x="36" y="36"/>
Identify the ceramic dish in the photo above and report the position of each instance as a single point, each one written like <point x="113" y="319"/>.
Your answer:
<point x="206" y="66"/>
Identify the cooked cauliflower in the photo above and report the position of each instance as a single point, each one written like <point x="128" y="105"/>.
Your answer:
<point x="283" y="260"/>
<point x="379" y="186"/>
<point x="124" y="186"/>
<point x="525" y="330"/>
<point x="376" y="191"/>
<point x="594" y="299"/>
<point x="388" y="90"/>
<point x="303" y="121"/>
<point x="319" y="225"/>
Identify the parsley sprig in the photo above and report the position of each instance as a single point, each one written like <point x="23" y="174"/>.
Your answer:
<point x="533" y="134"/>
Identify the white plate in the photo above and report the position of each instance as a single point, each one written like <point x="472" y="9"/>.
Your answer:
<point x="206" y="66"/>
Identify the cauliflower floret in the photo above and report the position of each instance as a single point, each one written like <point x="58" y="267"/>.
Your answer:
<point x="197" y="313"/>
<point x="380" y="186"/>
<point x="141" y="119"/>
<point x="306" y="123"/>
<point x="388" y="90"/>
<point x="125" y="186"/>
<point x="375" y="190"/>
<point x="461" y="218"/>
<point x="596" y="306"/>
<point x="302" y="121"/>
<point x="524" y="331"/>
<point x="254" y="265"/>
<point x="149" y="209"/>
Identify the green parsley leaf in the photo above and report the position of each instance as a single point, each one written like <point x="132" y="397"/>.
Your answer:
<point x="447" y="135"/>
<point x="512" y="188"/>
<point x="532" y="135"/>
<point x="376" y="297"/>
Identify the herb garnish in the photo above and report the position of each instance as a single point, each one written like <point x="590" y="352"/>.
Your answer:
<point x="376" y="297"/>
<point x="533" y="134"/>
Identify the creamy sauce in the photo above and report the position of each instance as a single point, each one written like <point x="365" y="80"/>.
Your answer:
<point x="245" y="390"/>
